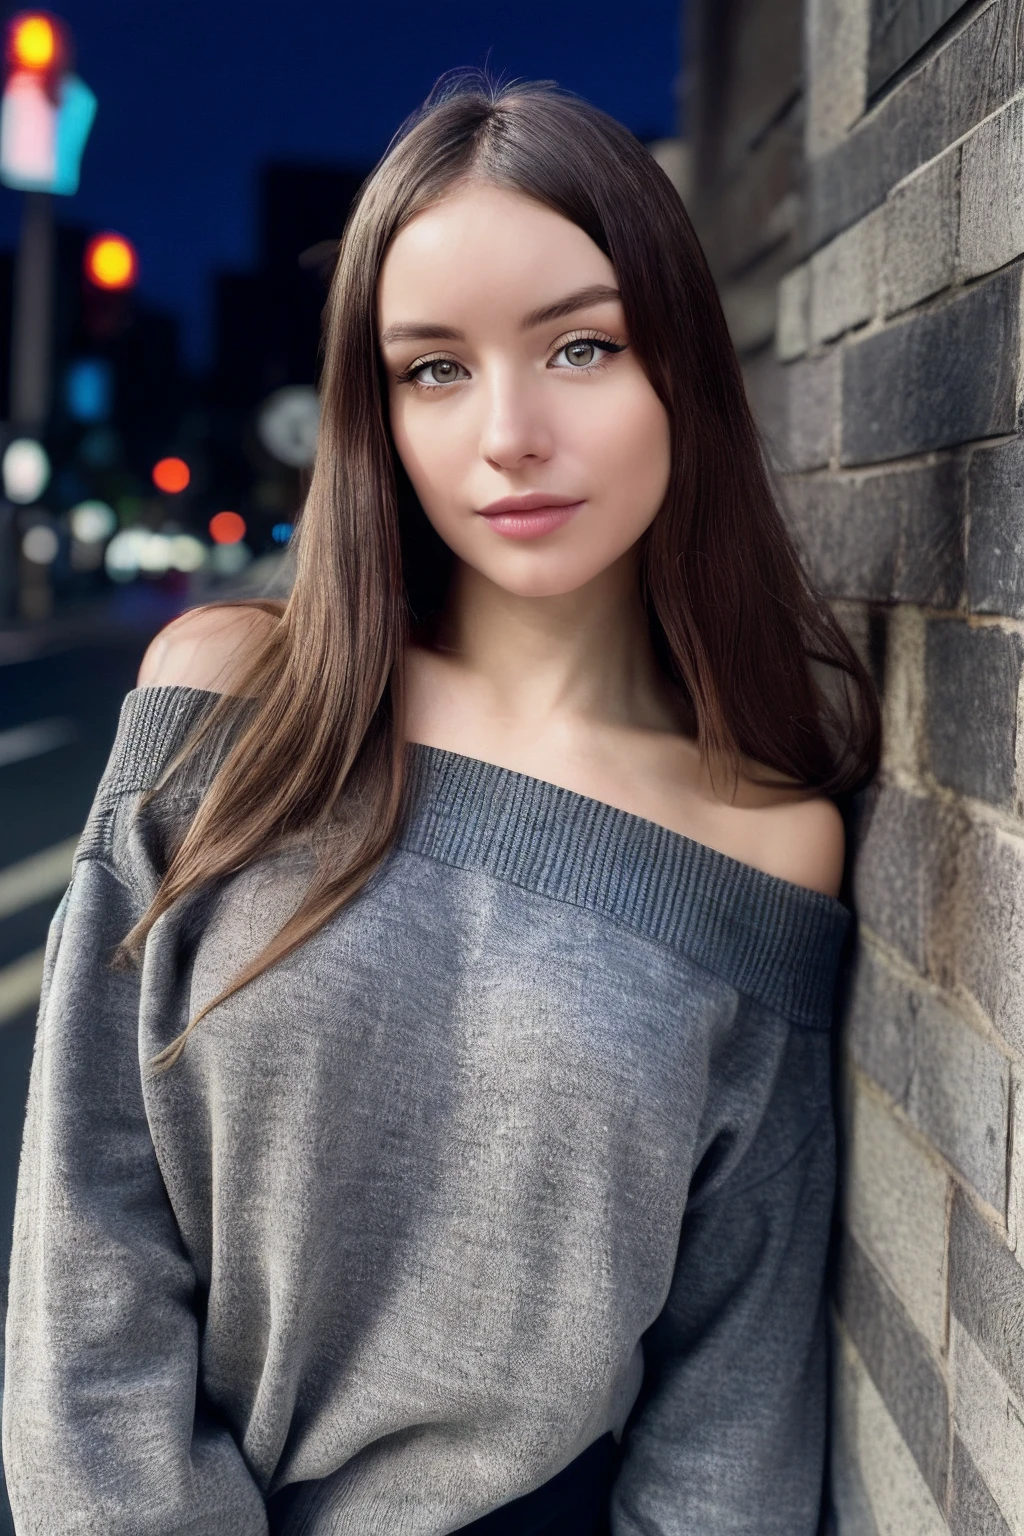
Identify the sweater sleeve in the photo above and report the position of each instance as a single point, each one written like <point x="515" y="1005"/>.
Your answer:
<point x="104" y="1424"/>
<point x="727" y="1436"/>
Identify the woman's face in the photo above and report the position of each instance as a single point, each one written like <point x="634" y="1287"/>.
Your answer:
<point x="511" y="381"/>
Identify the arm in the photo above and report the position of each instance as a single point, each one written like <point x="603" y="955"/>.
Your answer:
<point x="727" y="1435"/>
<point x="102" y="1429"/>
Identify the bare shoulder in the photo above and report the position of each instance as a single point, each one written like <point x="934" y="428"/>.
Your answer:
<point x="202" y="648"/>
<point x="797" y="833"/>
<point x="805" y="842"/>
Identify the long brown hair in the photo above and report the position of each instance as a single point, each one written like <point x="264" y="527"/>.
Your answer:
<point x="759" y="664"/>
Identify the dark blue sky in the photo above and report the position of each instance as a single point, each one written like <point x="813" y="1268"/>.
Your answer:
<point x="195" y="94"/>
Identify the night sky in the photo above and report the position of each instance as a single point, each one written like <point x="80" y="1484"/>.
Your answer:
<point x="195" y="94"/>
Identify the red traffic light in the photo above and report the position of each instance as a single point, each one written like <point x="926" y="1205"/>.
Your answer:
<point x="171" y="476"/>
<point x="226" y="527"/>
<point x="111" y="262"/>
<point x="37" y="43"/>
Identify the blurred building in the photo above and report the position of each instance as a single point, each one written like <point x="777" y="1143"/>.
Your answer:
<point x="267" y="319"/>
<point x="266" y="329"/>
<point x="121" y="399"/>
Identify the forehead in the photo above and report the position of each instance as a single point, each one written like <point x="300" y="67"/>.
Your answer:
<point x="486" y="251"/>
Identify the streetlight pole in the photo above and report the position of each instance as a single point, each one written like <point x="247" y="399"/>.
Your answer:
<point x="31" y="339"/>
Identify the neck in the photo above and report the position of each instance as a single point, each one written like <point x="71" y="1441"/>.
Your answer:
<point x="584" y="655"/>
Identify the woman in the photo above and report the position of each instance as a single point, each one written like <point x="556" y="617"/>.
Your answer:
<point x="449" y="1145"/>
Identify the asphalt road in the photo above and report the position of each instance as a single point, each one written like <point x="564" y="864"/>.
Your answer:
<point x="61" y="688"/>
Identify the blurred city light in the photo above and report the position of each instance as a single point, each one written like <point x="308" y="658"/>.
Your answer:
<point x="281" y="533"/>
<point x="25" y="469"/>
<point x="111" y="262"/>
<point x="229" y="559"/>
<point x="100" y="447"/>
<point x="34" y="41"/>
<point x="155" y="554"/>
<point x="122" y="554"/>
<point x="92" y="521"/>
<point x="136" y="551"/>
<point x="89" y="389"/>
<point x="171" y="475"/>
<point x="40" y="544"/>
<point x="187" y="552"/>
<point x="227" y="528"/>
<point x="287" y="424"/>
<point x="47" y="111"/>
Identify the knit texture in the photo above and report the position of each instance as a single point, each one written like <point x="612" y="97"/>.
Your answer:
<point x="532" y="1141"/>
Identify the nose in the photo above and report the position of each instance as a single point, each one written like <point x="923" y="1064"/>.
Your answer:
<point x="514" y="426"/>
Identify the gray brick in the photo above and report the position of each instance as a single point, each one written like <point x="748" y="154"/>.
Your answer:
<point x="747" y="214"/>
<point x="972" y="1509"/>
<point x="920" y="235"/>
<point x="984" y="925"/>
<point x="879" y="1021"/>
<point x="792" y="310"/>
<point x="986" y="1291"/>
<point x="844" y="279"/>
<point x="971" y="681"/>
<point x="905" y="869"/>
<point x="995" y="546"/>
<point x="812" y="410"/>
<point x="849" y="1512"/>
<point x="890" y="536"/>
<point x="941" y="377"/>
<point x="898" y="29"/>
<point x="836" y="48"/>
<point x="992" y="194"/>
<point x="966" y="81"/>
<point x="990" y="1421"/>
<point x="900" y="1363"/>
<point x="764" y="76"/>
<point x="766" y="382"/>
<point x="959" y="1095"/>
<point x="930" y="563"/>
<point x="848" y="538"/>
<point x="951" y="1081"/>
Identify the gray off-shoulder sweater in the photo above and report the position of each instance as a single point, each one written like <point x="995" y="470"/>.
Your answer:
<point x="531" y="1142"/>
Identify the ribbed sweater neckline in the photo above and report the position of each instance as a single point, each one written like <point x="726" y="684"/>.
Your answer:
<point x="772" y="939"/>
<point x="776" y="941"/>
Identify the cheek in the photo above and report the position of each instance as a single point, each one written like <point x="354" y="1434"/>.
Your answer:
<point x="428" y="454"/>
<point x="627" y="440"/>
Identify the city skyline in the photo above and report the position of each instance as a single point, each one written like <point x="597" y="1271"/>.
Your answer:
<point x="191" y="105"/>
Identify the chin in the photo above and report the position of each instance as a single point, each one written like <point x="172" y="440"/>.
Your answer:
<point x="554" y="580"/>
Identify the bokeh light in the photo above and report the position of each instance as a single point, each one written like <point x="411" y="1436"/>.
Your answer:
<point x="25" y="469"/>
<point x="40" y="544"/>
<point x="281" y="533"/>
<point x="92" y="521"/>
<point x="227" y="527"/>
<point x="33" y="41"/>
<point x="171" y="476"/>
<point x="229" y="559"/>
<point x="187" y="552"/>
<point x="111" y="262"/>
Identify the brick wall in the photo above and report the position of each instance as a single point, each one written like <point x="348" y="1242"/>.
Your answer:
<point x="858" y="185"/>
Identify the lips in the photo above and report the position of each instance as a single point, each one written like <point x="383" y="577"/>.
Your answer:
<point x="528" y="517"/>
<point x="533" y="501"/>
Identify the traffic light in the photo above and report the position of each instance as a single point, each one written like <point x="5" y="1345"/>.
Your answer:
<point x="37" y="41"/>
<point x="111" y="262"/>
<point x="171" y="476"/>
<point x="46" y="112"/>
<point x="110" y="270"/>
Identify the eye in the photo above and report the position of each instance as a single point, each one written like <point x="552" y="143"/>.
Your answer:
<point x="582" y="353"/>
<point x="433" y="371"/>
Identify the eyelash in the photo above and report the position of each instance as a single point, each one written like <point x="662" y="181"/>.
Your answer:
<point x="605" y="343"/>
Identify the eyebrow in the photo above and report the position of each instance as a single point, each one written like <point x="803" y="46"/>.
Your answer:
<point x="426" y="330"/>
